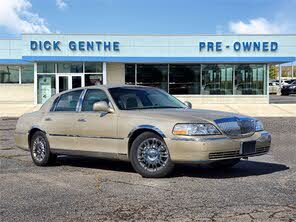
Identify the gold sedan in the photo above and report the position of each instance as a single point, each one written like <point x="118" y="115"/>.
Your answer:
<point x="143" y="125"/>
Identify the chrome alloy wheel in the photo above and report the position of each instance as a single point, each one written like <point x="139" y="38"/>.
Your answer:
<point x="38" y="148"/>
<point x="152" y="154"/>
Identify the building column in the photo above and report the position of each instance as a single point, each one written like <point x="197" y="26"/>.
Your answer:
<point x="35" y="83"/>
<point x="267" y="82"/>
<point x="292" y="70"/>
<point x="280" y="76"/>
<point x="104" y="73"/>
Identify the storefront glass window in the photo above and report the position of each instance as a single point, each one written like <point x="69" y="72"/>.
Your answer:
<point x="45" y="67"/>
<point x="249" y="79"/>
<point x="70" y="67"/>
<point x="9" y="74"/>
<point x="46" y="87"/>
<point x="93" y="67"/>
<point x="93" y="79"/>
<point x="217" y="79"/>
<point x="155" y="75"/>
<point x="27" y="74"/>
<point x="130" y="74"/>
<point x="184" y="79"/>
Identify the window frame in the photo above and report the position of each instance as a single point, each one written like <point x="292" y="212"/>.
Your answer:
<point x="56" y="101"/>
<point x="83" y="97"/>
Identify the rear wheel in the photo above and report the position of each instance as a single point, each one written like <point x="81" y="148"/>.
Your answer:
<point x="150" y="156"/>
<point x="40" y="150"/>
<point x="223" y="164"/>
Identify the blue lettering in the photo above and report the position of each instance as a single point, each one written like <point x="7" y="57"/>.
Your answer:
<point x="72" y="45"/>
<point x="33" y="45"/>
<point x="40" y="45"/>
<point x="265" y="46"/>
<point x="256" y="46"/>
<point x="107" y="45"/>
<point x="247" y="46"/>
<point x="210" y="46"/>
<point x="116" y="46"/>
<point x="56" y="45"/>
<point x="89" y="46"/>
<point x="202" y="45"/>
<point x="47" y="45"/>
<point x="81" y="46"/>
<point x="236" y="46"/>
<point x="218" y="46"/>
<point x="273" y="46"/>
<point x="99" y="45"/>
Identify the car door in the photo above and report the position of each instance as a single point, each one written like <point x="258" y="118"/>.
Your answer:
<point x="59" y="122"/>
<point x="97" y="131"/>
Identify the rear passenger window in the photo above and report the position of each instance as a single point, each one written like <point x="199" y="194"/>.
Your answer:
<point x="92" y="96"/>
<point x="68" y="101"/>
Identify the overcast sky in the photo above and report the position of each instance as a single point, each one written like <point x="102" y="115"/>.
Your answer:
<point x="147" y="16"/>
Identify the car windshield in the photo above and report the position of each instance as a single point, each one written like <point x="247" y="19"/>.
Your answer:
<point x="128" y="98"/>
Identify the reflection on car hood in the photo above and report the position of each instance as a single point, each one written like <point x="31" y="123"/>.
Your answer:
<point x="186" y="114"/>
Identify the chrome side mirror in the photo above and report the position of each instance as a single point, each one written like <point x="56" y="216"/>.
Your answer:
<point x="188" y="104"/>
<point x="102" y="106"/>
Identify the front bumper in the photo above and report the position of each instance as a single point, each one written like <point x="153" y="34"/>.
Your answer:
<point x="208" y="149"/>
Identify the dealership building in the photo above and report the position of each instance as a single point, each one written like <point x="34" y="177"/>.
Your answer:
<point x="197" y="68"/>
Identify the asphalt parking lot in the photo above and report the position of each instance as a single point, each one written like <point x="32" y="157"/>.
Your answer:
<point x="262" y="188"/>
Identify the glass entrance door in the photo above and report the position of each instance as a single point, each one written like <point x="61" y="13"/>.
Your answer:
<point x="68" y="81"/>
<point x="63" y="83"/>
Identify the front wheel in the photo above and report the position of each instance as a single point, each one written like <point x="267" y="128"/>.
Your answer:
<point x="150" y="156"/>
<point x="40" y="150"/>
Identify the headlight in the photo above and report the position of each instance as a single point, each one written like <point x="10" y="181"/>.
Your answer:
<point x="259" y="126"/>
<point x="195" y="129"/>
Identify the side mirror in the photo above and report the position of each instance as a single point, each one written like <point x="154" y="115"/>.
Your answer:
<point x="102" y="106"/>
<point x="188" y="104"/>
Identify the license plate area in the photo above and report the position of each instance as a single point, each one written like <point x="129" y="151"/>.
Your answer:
<point x="248" y="147"/>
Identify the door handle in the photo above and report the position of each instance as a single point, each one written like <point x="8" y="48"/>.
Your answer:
<point x="48" y="119"/>
<point x="81" y="120"/>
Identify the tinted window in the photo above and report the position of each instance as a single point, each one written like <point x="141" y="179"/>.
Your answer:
<point x="93" y="67"/>
<point x="155" y="75"/>
<point x="143" y="98"/>
<point x="28" y="74"/>
<point x="45" y="67"/>
<point x="9" y="74"/>
<point x="70" y="67"/>
<point x="92" y="96"/>
<point x="68" y="101"/>
<point x="184" y="79"/>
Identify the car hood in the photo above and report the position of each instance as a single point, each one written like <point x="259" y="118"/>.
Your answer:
<point x="189" y="115"/>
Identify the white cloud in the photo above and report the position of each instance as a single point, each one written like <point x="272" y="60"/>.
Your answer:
<point x="17" y="17"/>
<point x="61" y="4"/>
<point x="257" y="26"/>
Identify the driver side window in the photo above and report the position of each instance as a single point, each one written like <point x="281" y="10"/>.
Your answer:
<point x="92" y="96"/>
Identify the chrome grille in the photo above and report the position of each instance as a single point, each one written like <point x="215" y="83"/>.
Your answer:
<point x="235" y="153"/>
<point x="236" y="126"/>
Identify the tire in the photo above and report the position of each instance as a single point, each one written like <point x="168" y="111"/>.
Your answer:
<point x="150" y="156"/>
<point x="224" y="164"/>
<point x="40" y="150"/>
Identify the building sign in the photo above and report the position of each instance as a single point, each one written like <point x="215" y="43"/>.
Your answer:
<point x="113" y="46"/>
<point x="75" y="45"/>
<point x="238" y="46"/>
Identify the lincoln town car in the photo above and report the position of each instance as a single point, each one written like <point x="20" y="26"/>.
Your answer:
<point x="143" y="125"/>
